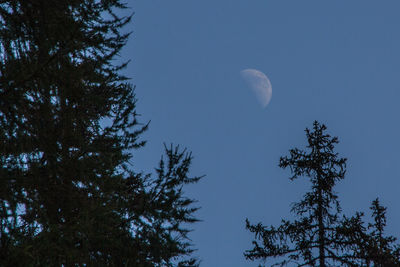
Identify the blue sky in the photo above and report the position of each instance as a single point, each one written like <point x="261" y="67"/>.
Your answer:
<point x="333" y="61"/>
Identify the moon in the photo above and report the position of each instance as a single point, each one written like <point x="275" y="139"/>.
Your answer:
<point x="260" y="84"/>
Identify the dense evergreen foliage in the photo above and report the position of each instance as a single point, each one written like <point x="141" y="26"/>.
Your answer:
<point x="322" y="236"/>
<point x="68" y="193"/>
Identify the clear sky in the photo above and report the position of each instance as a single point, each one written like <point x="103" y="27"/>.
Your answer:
<point x="333" y="61"/>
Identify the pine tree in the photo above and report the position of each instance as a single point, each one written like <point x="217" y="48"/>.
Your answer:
<point x="310" y="240"/>
<point x="68" y="125"/>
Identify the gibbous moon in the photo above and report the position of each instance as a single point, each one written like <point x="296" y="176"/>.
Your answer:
<point x="260" y="84"/>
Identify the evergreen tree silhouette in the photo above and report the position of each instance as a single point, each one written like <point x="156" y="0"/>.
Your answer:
<point x="367" y="245"/>
<point x="68" y="126"/>
<point x="322" y="236"/>
<point x="309" y="240"/>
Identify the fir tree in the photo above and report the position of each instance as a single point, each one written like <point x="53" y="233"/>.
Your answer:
<point x="68" y="125"/>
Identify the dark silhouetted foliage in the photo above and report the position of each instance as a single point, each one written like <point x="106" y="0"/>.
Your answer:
<point x="367" y="245"/>
<point x="68" y="126"/>
<point x="321" y="236"/>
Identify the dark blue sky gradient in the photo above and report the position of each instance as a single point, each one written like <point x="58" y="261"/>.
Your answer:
<point x="333" y="61"/>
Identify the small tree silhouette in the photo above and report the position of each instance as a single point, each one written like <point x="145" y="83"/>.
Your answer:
<point x="321" y="236"/>
<point x="367" y="245"/>
<point x="309" y="240"/>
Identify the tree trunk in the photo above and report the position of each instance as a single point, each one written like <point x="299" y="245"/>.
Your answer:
<point x="321" y="231"/>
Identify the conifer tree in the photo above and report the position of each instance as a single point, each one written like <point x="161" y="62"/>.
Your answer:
<point x="322" y="236"/>
<point x="368" y="245"/>
<point x="68" y="125"/>
<point x="382" y="250"/>
<point x="308" y="241"/>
